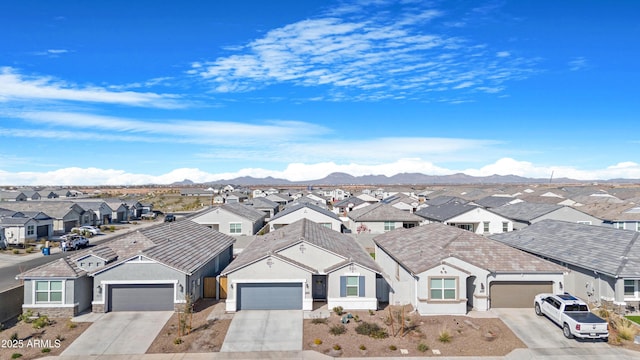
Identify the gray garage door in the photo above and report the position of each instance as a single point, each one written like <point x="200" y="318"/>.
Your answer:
<point x="517" y="294"/>
<point x="270" y="296"/>
<point x="140" y="297"/>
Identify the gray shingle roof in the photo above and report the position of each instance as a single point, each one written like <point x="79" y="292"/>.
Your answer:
<point x="55" y="209"/>
<point x="421" y="248"/>
<point x="263" y="203"/>
<point x="295" y="207"/>
<point x="525" y="211"/>
<point x="439" y="200"/>
<point x="307" y="231"/>
<point x="604" y="249"/>
<point x="382" y="212"/>
<point x="445" y="211"/>
<point x="494" y="201"/>
<point x="352" y="200"/>
<point x="240" y="209"/>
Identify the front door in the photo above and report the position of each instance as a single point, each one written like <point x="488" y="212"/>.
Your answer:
<point x="319" y="287"/>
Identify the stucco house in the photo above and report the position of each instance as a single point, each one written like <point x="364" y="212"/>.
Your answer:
<point x="604" y="261"/>
<point x="380" y="218"/>
<point x="22" y="227"/>
<point x="466" y="216"/>
<point x="525" y="213"/>
<point x="147" y="270"/>
<point x="342" y="207"/>
<point x="298" y="264"/>
<point x="233" y="219"/>
<point x="65" y="214"/>
<point x="270" y="208"/>
<point x="96" y="213"/>
<point x="441" y="269"/>
<point x="12" y="196"/>
<point x="295" y="212"/>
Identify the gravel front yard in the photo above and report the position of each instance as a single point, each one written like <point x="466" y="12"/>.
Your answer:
<point x="422" y="335"/>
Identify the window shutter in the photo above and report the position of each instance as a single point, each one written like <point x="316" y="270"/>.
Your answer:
<point x="361" y="287"/>
<point x="343" y="286"/>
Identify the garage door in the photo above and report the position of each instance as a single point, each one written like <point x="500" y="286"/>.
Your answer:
<point x="140" y="297"/>
<point x="517" y="294"/>
<point x="270" y="296"/>
<point x="42" y="231"/>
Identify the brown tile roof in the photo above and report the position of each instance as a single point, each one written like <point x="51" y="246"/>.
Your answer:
<point x="421" y="248"/>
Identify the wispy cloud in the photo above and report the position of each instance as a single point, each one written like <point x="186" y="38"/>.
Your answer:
<point x="578" y="63"/>
<point x="349" y="54"/>
<point x="16" y="86"/>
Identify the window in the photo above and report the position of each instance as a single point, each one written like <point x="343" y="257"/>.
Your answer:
<point x="352" y="285"/>
<point x="584" y="222"/>
<point x="620" y="225"/>
<point x="389" y="225"/>
<point x="327" y="225"/>
<point x="442" y="288"/>
<point x="31" y="230"/>
<point x="505" y="226"/>
<point x="630" y="288"/>
<point x="486" y="226"/>
<point x="468" y="227"/>
<point x="49" y="291"/>
<point x="638" y="226"/>
<point x="235" y="228"/>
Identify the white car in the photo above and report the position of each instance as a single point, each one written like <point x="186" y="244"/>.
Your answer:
<point x="75" y="241"/>
<point x="91" y="229"/>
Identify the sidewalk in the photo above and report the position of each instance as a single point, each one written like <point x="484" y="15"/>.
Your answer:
<point x="8" y="259"/>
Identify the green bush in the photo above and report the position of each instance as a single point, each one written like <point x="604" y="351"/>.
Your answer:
<point x="46" y="350"/>
<point x="337" y="347"/>
<point x="41" y="322"/>
<point x="14" y="336"/>
<point x="444" y="336"/>
<point x="29" y="250"/>
<point x="371" y="329"/>
<point x="363" y="348"/>
<point x="393" y="347"/>
<point x="26" y="316"/>
<point x="16" y="252"/>
<point x="16" y="355"/>
<point x="337" y="329"/>
<point x="338" y="310"/>
<point x="177" y="341"/>
<point x="319" y="321"/>
<point x="422" y="347"/>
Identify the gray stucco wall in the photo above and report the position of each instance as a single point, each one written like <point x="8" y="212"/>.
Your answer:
<point x="211" y="269"/>
<point x="569" y="214"/>
<point x="130" y="272"/>
<point x="82" y="292"/>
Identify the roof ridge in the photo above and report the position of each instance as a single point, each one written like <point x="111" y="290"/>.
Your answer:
<point x="625" y="258"/>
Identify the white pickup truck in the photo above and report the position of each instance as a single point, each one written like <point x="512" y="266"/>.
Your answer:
<point x="573" y="315"/>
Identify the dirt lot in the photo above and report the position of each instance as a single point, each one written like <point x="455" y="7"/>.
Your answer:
<point x="19" y="337"/>
<point x="205" y="336"/>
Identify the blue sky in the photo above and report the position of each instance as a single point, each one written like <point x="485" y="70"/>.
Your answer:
<point x="136" y="92"/>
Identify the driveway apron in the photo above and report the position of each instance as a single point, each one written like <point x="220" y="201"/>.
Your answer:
<point x="120" y="333"/>
<point x="264" y="330"/>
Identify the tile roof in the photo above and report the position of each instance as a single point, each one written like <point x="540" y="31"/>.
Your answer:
<point x="183" y="245"/>
<point x="421" y="248"/>
<point x="439" y="200"/>
<point x="352" y="200"/>
<point x="240" y="209"/>
<point x="307" y="231"/>
<point x="612" y="212"/>
<point x="293" y="207"/>
<point x="55" y="209"/>
<point x="382" y="212"/>
<point x="525" y="211"/>
<point x="494" y="201"/>
<point x="600" y="248"/>
<point x="263" y="203"/>
<point x="445" y="211"/>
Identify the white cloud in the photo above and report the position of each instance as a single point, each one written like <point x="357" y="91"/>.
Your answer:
<point x="578" y="63"/>
<point x="312" y="171"/>
<point x="15" y="86"/>
<point x="368" y="55"/>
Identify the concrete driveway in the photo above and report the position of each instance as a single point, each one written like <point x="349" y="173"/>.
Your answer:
<point x="264" y="330"/>
<point x="546" y="341"/>
<point x="120" y="333"/>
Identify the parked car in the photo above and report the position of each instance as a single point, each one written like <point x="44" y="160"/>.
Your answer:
<point x="169" y="218"/>
<point x="75" y="241"/>
<point x="90" y="229"/>
<point x="573" y="315"/>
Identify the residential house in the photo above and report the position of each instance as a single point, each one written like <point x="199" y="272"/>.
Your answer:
<point x="525" y="213"/>
<point x="280" y="199"/>
<point x="31" y="195"/>
<point x="380" y="218"/>
<point x="441" y="269"/>
<point x="296" y="265"/>
<point x="232" y="219"/>
<point x="624" y="216"/>
<point x="402" y="202"/>
<point x="12" y="196"/>
<point x="603" y="261"/>
<point x="96" y="213"/>
<point x="22" y="227"/>
<point x="147" y="270"/>
<point x="295" y="212"/>
<point x="341" y="208"/>
<point x="270" y="208"/>
<point x="310" y="200"/>
<point x="494" y="201"/>
<point x="466" y="216"/>
<point x="64" y="214"/>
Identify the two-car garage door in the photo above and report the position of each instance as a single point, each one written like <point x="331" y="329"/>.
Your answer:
<point x="517" y="294"/>
<point x="140" y="297"/>
<point x="269" y="296"/>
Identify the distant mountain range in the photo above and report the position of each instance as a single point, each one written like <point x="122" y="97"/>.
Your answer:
<point x="338" y="178"/>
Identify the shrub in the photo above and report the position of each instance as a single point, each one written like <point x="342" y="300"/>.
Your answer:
<point x="16" y="252"/>
<point x="603" y="313"/>
<point x="16" y="355"/>
<point x="337" y="329"/>
<point x="60" y="338"/>
<point x="422" y="347"/>
<point x="319" y="321"/>
<point x="26" y="316"/>
<point x="71" y="324"/>
<point x="41" y="322"/>
<point x="371" y="313"/>
<point x="317" y="341"/>
<point x="356" y="318"/>
<point x="362" y="347"/>
<point x="46" y="350"/>
<point x="380" y="334"/>
<point x="337" y="347"/>
<point x="29" y="250"/>
<point x="366" y="328"/>
<point x="393" y="347"/>
<point x="625" y="328"/>
<point x="338" y="310"/>
<point x="14" y="336"/>
<point x="444" y="336"/>
<point x="177" y="341"/>
<point x="112" y="228"/>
